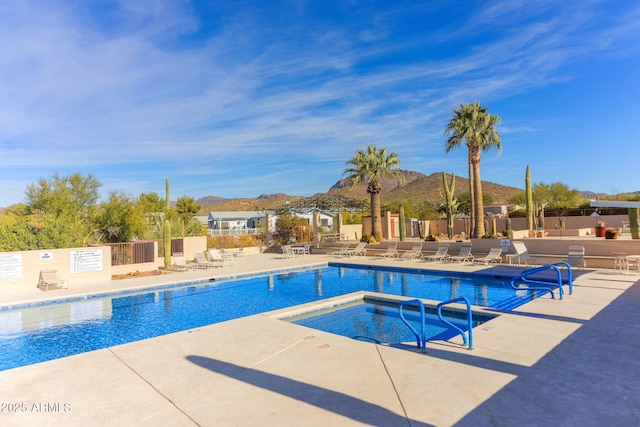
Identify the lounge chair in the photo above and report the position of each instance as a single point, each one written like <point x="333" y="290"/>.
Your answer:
<point x="216" y="256"/>
<point x="440" y="255"/>
<point x="522" y="254"/>
<point x="360" y="249"/>
<point x="494" y="256"/>
<point x="343" y="251"/>
<point x="391" y="252"/>
<point x="463" y="256"/>
<point x="49" y="279"/>
<point x="576" y="257"/>
<point x="203" y="262"/>
<point x="414" y="253"/>
<point x="179" y="262"/>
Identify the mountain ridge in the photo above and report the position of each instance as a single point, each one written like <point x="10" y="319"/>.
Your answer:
<point x="418" y="188"/>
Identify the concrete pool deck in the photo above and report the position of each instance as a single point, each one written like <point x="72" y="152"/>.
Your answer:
<point x="551" y="362"/>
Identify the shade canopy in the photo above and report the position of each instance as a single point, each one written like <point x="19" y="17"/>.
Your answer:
<point x="324" y="203"/>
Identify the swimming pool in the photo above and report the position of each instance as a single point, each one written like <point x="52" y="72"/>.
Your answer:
<point x="378" y="320"/>
<point x="48" y="331"/>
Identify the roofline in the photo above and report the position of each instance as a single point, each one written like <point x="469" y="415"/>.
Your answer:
<point x="613" y="204"/>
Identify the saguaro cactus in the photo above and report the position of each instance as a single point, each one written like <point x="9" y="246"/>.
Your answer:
<point x="167" y="230"/>
<point x="507" y="227"/>
<point x="403" y="225"/>
<point x="451" y="203"/>
<point x="529" y="205"/>
<point x="633" y="223"/>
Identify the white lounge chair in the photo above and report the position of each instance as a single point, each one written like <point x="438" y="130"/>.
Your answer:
<point x="440" y="255"/>
<point x="391" y="252"/>
<point x="216" y="256"/>
<point x="360" y="250"/>
<point x="522" y="254"/>
<point x="576" y="257"/>
<point x="203" y="262"/>
<point x="494" y="256"/>
<point x="414" y="253"/>
<point x="463" y="256"/>
<point x="179" y="262"/>
<point x="343" y="251"/>
<point x="49" y="279"/>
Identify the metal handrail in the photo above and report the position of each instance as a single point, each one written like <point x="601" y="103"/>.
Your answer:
<point x="421" y="339"/>
<point x="468" y="342"/>
<point x="545" y="285"/>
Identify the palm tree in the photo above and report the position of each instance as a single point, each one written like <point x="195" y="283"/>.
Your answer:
<point x="371" y="165"/>
<point x="474" y="125"/>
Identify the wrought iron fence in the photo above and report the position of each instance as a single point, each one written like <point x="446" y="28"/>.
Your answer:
<point x="132" y="252"/>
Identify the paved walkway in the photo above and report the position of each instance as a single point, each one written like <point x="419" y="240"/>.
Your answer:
<point x="566" y="363"/>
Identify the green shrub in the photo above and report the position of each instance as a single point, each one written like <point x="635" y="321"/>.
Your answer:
<point x="432" y="238"/>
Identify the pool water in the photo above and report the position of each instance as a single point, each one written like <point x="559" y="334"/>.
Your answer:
<point x="52" y="330"/>
<point x="380" y="323"/>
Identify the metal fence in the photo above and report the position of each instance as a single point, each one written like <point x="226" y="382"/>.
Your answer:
<point x="132" y="252"/>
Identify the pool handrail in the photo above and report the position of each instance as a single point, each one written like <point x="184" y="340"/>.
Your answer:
<point x="421" y="339"/>
<point x="467" y="341"/>
<point x="542" y="284"/>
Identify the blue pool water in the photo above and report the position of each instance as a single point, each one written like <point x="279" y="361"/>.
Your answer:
<point x="49" y="331"/>
<point x="380" y="323"/>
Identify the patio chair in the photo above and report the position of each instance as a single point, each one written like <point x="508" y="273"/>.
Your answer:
<point x="343" y="251"/>
<point x="49" y="279"/>
<point x="391" y="252"/>
<point x="203" y="262"/>
<point x="576" y="257"/>
<point x="216" y="256"/>
<point x="463" y="256"/>
<point x="494" y="256"/>
<point x="621" y="262"/>
<point x="287" y="251"/>
<point x="440" y="255"/>
<point x="305" y="249"/>
<point x="360" y="250"/>
<point x="179" y="262"/>
<point x="414" y="253"/>
<point x="522" y="254"/>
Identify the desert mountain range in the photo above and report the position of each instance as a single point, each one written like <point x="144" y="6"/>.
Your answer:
<point x="418" y="188"/>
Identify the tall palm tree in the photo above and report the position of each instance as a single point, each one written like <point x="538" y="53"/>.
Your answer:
<point x="472" y="124"/>
<point x="371" y="165"/>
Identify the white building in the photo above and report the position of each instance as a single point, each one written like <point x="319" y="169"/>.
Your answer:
<point x="235" y="221"/>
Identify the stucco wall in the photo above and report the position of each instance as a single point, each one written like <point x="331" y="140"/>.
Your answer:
<point x="23" y="268"/>
<point x="550" y="223"/>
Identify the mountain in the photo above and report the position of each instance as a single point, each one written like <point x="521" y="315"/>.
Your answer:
<point x="418" y="188"/>
<point x="264" y="201"/>
<point x="210" y="200"/>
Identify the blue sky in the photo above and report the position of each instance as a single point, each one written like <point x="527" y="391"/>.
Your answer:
<point x="239" y="98"/>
